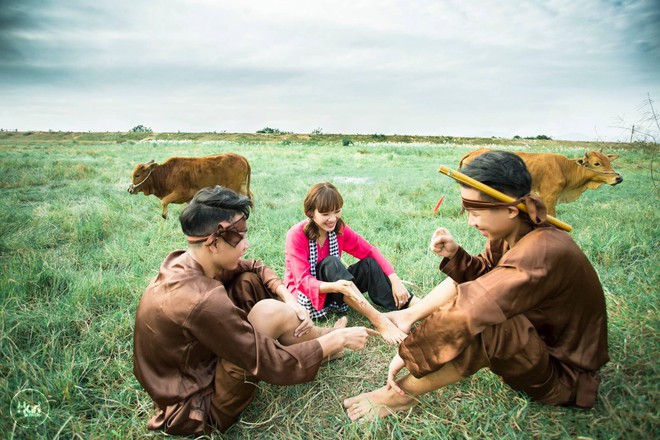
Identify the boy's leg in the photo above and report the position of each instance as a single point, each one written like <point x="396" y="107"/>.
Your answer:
<point x="516" y="353"/>
<point x="277" y="320"/>
<point x="246" y="290"/>
<point x="234" y="390"/>
<point x="436" y="298"/>
<point x="331" y="269"/>
<point x="512" y="350"/>
<point x="385" y="401"/>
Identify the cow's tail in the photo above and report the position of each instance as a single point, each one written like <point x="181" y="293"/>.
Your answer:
<point x="245" y="186"/>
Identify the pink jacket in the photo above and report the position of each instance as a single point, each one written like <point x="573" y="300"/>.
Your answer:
<point x="297" y="276"/>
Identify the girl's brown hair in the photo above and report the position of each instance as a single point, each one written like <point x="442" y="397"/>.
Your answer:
<point x="323" y="197"/>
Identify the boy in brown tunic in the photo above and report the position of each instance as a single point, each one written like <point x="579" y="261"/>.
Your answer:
<point x="211" y="324"/>
<point x="530" y="307"/>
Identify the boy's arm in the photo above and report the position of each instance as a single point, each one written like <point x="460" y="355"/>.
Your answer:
<point x="285" y="295"/>
<point x="463" y="267"/>
<point x="289" y="299"/>
<point x="268" y="277"/>
<point x="457" y="263"/>
<point x="495" y="297"/>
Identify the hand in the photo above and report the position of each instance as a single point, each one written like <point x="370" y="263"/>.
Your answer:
<point x="303" y="314"/>
<point x="356" y="337"/>
<point x="400" y="294"/>
<point x="395" y="366"/>
<point x="350" y="290"/>
<point x="443" y="244"/>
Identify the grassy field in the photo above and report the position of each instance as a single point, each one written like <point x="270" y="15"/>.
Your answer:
<point x="77" y="251"/>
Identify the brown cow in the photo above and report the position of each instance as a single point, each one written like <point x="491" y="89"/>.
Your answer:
<point x="558" y="179"/>
<point x="179" y="178"/>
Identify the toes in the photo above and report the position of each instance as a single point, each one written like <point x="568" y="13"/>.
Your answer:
<point x="354" y="417"/>
<point x="354" y="413"/>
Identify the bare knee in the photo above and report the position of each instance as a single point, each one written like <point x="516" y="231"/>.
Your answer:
<point x="270" y="317"/>
<point x="266" y="310"/>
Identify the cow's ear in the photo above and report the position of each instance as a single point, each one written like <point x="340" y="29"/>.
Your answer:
<point x="613" y="156"/>
<point x="580" y="161"/>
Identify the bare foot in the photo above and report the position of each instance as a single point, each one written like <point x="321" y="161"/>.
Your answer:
<point x="341" y="323"/>
<point x="390" y="332"/>
<point x="377" y="404"/>
<point x="400" y="319"/>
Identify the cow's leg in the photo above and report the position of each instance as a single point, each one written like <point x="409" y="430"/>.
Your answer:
<point x="551" y="203"/>
<point x="164" y="213"/>
<point x="174" y="197"/>
<point x="549" y="190"/>
<point x="244" y="189"/>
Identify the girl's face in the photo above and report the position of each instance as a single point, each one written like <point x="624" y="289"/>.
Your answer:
<point x="326" y="221"/>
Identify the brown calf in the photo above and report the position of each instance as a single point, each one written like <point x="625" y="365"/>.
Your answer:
<point x="179" y="178"/>
<point x="558" y="179"/>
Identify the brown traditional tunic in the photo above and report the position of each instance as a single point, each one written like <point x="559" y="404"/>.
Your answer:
<point x="535" y="314"/>
<point x="196" y="354"/>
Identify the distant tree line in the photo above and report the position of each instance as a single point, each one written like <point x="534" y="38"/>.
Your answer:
<point x="141" y="129"/>
<point x="273" y="131"/>
<point x="541" y="137"/>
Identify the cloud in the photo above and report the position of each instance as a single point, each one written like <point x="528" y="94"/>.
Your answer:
<point x="363" y="65"/>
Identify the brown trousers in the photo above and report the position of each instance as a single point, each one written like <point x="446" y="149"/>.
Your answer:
<point x="514" y="351"/>
<point x="234" y="387"/>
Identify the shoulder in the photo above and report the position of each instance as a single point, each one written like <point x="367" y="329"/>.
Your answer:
<point x="295" y="236"/>
<point x="553" y="235"/>
<point x="175" y="258"/>
<point x="544" y="245"/>
<point x="245" y="265"/>
<point x="297" y="229"/>
<point x="177" y="290"/>
<point x="346" y="231"/>
<point x="349" y="235"/>
<point x="209" y="304"/>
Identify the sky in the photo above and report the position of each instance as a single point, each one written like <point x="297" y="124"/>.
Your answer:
<point x="569" y="69"/>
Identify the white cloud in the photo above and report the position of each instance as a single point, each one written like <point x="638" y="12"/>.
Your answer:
<point x="418" y="66"/>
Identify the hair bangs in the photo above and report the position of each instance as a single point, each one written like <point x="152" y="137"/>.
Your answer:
<point x="328" y="200"/>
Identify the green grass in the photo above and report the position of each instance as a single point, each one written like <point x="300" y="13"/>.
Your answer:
<point x="76" y="252"/>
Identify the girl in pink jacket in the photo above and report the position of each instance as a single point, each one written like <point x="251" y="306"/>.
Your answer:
<point x="315" y="272"/>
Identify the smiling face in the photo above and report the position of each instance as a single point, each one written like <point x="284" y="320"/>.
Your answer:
<point x="494" y="224"/>
<point x="327" y="221"/>
<point x="323" y="205"/>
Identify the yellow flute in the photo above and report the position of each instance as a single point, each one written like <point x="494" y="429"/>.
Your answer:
<point x="460" y="177"/>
